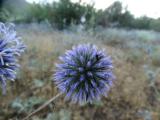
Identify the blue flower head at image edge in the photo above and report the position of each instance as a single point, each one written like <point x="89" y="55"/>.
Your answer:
<point x="84" y="74"/>
<point x="10" y="48"/>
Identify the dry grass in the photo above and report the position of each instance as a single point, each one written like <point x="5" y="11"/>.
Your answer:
<point x="129" y="95"/>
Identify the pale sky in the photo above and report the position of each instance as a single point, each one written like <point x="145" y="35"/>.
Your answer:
<point x="138" y="8"/>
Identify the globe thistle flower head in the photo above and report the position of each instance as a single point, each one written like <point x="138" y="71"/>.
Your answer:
<point x="10" y="48"/>
<point x="84" y="74"/>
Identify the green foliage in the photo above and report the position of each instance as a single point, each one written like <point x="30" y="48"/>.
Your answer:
<point x="114" y="11"/>
<point x="37" y="12"/>
<point x="39" y="83"/>
<point x="114" y="16"/>
<point x="126" y="19"/>
<point x="102" y="18"/>
<point x="1" y="3"/>
<point x="13" y="11"/>
<point x="61" y="14"/>
<point x="142" y="23"/>
<point x="65" y="13"/>
<point x="17" y="105"/>
<point x="155" y="24"/>
<point x="52" y="116"/>
<point x="111" y="14"/>
<point x="4" y="15"/>
<point x="63" y="114"/>
<point x="21" y="106"/>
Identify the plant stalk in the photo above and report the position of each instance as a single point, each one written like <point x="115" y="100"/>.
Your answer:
<point x="42" y="106"/>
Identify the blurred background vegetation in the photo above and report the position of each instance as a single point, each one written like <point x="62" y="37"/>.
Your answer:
<point x="49" y="30"/>
<point x="63" y="13"/>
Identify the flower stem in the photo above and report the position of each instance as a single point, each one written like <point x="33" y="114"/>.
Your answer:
<point x="42" y="106"/>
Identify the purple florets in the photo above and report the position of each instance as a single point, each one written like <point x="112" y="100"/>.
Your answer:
<point x="10" y="48"/>
<point x="85" y="74"/>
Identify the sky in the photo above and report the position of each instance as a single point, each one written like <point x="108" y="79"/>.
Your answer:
<point x="150" y="8"/>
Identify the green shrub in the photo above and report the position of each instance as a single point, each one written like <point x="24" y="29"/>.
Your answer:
<point x="64" y="13"/>
<point x="61" y="14"/>
<point x="155" y="25"/>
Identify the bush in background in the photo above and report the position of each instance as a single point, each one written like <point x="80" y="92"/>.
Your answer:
<point x="65" y="13"/>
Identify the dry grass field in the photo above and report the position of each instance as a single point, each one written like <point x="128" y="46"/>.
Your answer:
<point x="134" y="96"/>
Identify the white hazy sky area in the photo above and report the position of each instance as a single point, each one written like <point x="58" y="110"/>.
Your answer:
<point x="150" y="8"/>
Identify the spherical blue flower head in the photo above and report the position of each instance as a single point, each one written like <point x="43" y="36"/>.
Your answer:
<point x="85" y="74"/>
<point x="10" y="48"/>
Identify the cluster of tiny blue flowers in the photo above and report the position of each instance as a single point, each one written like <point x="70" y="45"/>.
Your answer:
<point x="84" y="74"/>
<point x="10" y="48"/>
